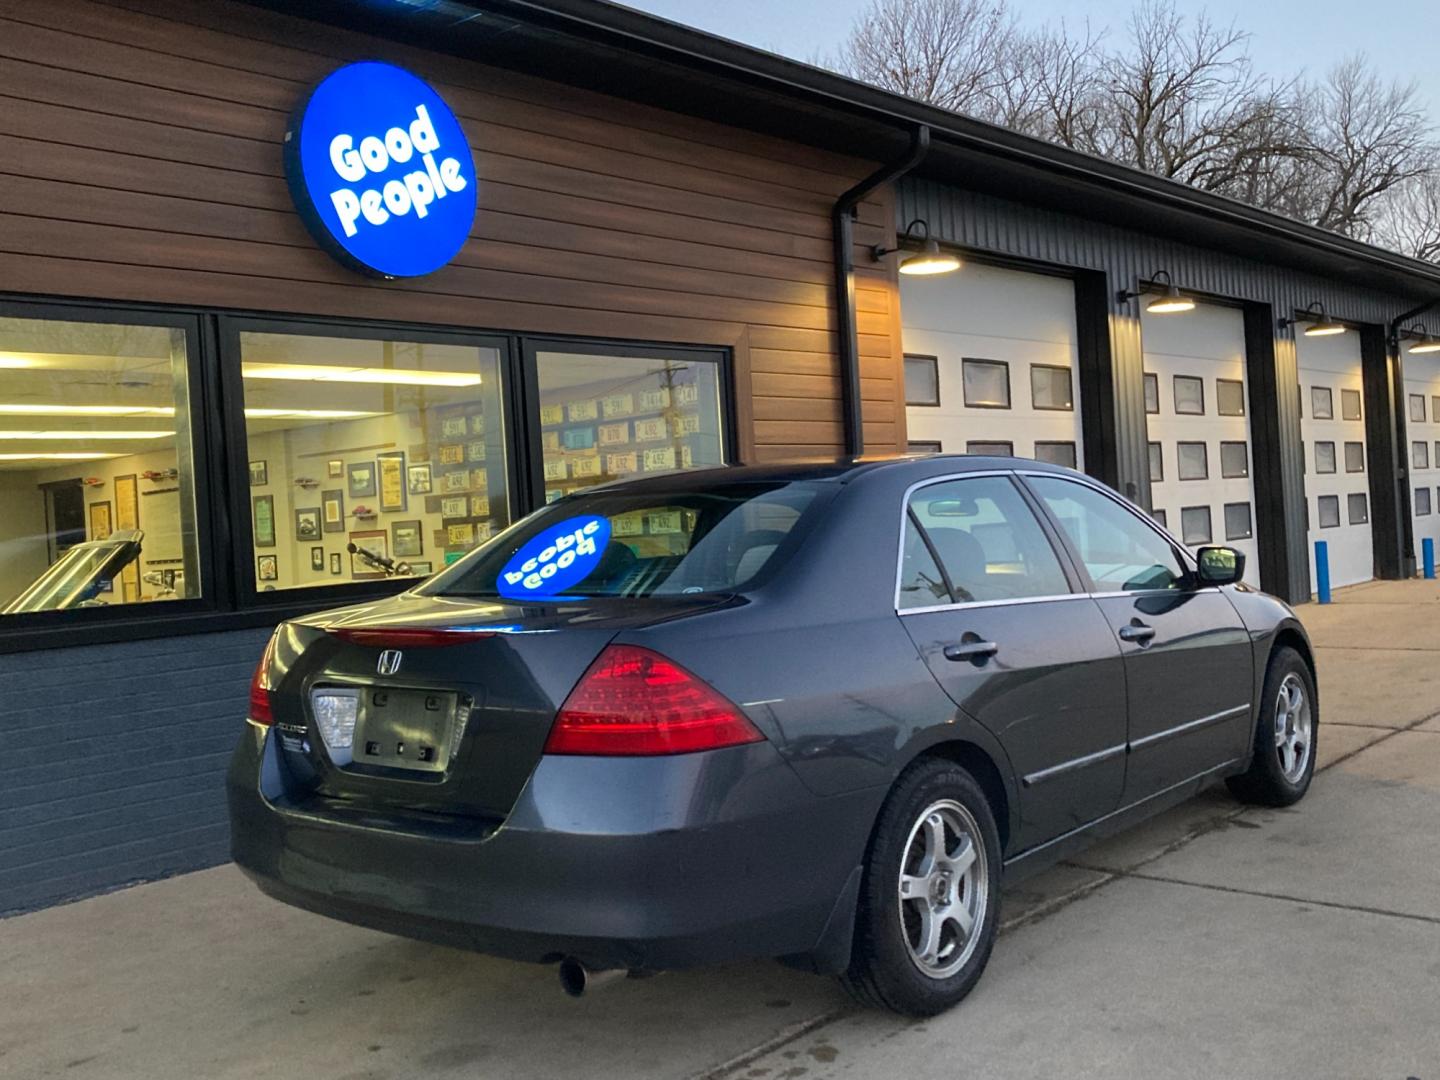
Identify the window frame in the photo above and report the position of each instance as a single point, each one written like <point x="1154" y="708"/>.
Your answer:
<point x="1244" y="445"/>
<point x="229" y="599"/>
<point x="1070" y="382"/>
<point x="1205" y="458"/>
<point x="934" y="362"/>
<point x="1348" y="444"/>
<point x="1074" y="452"/>
<point x="1219" y="382"/>
<point x="1349" y="393"/>
<point x="1009" y="385"/>
<point x="1175" y="395"/>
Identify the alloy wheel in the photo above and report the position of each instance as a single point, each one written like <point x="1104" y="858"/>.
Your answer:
<point x="1293" y="741"/>
<point x="943" y="889"/>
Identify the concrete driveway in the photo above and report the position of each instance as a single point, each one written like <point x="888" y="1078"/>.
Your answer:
<point x="1213" y="942"/>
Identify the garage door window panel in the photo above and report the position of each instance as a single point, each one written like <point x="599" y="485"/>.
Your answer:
<point x="1051" y="388"/>
<point x="1152" y="393"/>
<point x="1158" y="516"/>
<point x="1157" y="462"/>
<point x="1328" y="510"/>
<point x="1238" y="521"/>
<point x="1192" y="461"/>
<point x="922" y="447"/>
<point x="1229" y="397"/>
<point x="990" y="449"/>
<point x="922" y="380"/>
<point x="1358" y="508"/>
<point x="988" y="541"/>
<point x="1195" y="525"/>
<point x="1234" y="460"/>
<point x="1322" y="403"/>
<point x="1422" y="502"/>
<point x="1350" y="408"/>
<point x="1056" y="453"/>
<point x="1420" y="455"/>
<point x="1417" y="408"/>
<point x="1189" y="395"/>
<point x="98" y="477"/>
<point x="1354" y="457"/>
<point x="1120" y="550"/>
<point x="986" y="382"/>
<point x="1324" y="457"/>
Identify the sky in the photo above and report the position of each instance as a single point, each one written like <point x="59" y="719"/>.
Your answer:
<point x="1288" y="37"/>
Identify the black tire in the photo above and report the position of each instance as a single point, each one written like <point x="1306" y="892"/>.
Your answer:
<point x="882" y="972"/>
<point x="1266" y="781"/>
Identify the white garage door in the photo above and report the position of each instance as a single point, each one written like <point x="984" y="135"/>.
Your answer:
<point x="990" y="364"/>
<point x="1332" y="429"/>
<point x="1422" y="395"/>
<point x="1199" y="428"/>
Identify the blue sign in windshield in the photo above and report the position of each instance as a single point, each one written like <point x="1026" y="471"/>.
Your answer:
<point x="555" y="559"/>
<point x="381" y="171"/>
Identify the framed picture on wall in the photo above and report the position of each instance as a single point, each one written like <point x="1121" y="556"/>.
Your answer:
<point x="307" y="523"/>
<point x="100" y="521"/>
<point x="335" y="564"/>
<point x="335" y="468"/>
<point x="406" y="539"/>
<point x="317" y="558"/>
<point x="127" y="502"/>
<point x="392" y="480"/>
<point x="332" y="510"/>
<point x="267" y="568"/>
<point x="420" y="482"/>
<point x="262" y="510"/>
<point x="375" y="541"/>
<point x="360" y="479"/>
<point x="422" y="569"/>
<point x="259" y="473"/>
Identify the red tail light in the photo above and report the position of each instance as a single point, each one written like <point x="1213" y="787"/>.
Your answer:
<point x="633" y="701"/>
<point x="260" y="710"/>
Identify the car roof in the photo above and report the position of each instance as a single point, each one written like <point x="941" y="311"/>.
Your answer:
<point x="834" y="470"/>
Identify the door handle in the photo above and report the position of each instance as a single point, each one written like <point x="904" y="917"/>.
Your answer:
<point x="971" y="650"/>
<point x="1137" y="632"/>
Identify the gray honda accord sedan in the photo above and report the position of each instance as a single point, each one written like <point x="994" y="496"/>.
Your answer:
<point x="814" y="712"/>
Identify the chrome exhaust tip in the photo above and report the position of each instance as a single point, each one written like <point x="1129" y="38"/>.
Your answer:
<point x="576" y="978"/>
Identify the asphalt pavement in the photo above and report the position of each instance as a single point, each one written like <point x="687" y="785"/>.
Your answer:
<point x="1214" y="941"/>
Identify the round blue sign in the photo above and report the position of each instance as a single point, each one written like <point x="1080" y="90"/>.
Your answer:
<point x="555" y="558"/>
<point x="381" y="171"/>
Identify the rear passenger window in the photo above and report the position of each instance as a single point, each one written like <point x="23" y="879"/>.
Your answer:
<point x="987" y="540"/>
<point x="1118" y="547"/>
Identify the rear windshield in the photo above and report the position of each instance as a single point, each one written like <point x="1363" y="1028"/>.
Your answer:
<point x="621" y="543"/>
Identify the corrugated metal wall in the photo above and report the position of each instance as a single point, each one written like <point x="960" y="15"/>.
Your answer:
<point x="987" y="224"/>
<point x="113" y="762"/>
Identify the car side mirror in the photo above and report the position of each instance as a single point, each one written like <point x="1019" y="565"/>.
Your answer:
<point x="1219" y="565"/>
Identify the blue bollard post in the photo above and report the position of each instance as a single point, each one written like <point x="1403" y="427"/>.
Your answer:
<point x="1322" y="571"/>
<point x="1427" y="547"/>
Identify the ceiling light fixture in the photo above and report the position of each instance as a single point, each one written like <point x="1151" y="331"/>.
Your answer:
<point x="308" y="414"/>
<point x="928" y="260"/>
<point x="85" y="410"/>
<point x="1169" y="301"/>
<point x="83" y="436"/>
<point x="329" y="373"/>
<point x="74" y="456"/>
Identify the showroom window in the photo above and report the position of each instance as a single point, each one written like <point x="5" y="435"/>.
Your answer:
<point x="1189" y="395"/>
<point x="1229" y="397"/>
<point x="1417" y="408"/>
<point x="1350" y="405"/>
<point x="1329" y="511"/>
<point x="1152" y="393"/>
<point x="608" y="414"/>
<point x="987" y="383"/>
<point x="1234" y="460"/>
<point x="395" y="446"/>
<point x="1192" y="461"/>
<point x="1157" y="462"/>
<point x="922" y="380"/>
<point x="1056" y="453"/>
<point x="97" y="467"/>
<point x="1238" y="524"/>
<point x="1358" y="508"/>
<point x="1050" y="388"/>
<point x="1325" y="457"/>
<point x="1355" y="456"/>
<point x="1322" y="404"/>
<point x="1420" y="455"/>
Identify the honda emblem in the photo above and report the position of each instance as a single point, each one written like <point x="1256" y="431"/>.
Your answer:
<point x="389" y="662"/>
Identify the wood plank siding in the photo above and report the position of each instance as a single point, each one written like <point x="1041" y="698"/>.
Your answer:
<point x="140" y="160"/>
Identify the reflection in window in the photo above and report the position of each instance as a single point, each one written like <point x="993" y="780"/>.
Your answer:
<point x="1050" y="387"/>
<point x="1358" y="508"/>
<point x="1355" y="457"/>
<point x="605" y="418"/>
<point x="97" y="503"/>
<point x="1325" y="457"/>
<point x="397" y="447"/>
<point x="1350" y="405"/>
<point x="1195" y="525"/>
<point x="1192" y="461"/>
<point x="1229" y="397"/>
<point x="1322" y="405"/>
<point x="1056" y="453"/>
<point x="1329" y="511"/>
<point x="1238" y="525"/>
<point x="987" y="383"/>
<point x="1120" y="550"/>
<point x="1152" y="393"/>
<point x="922" y="380"/>
<point x="988" y="540"/>
<point x="1189" y="395"/>
<point x="1234" y="460"/>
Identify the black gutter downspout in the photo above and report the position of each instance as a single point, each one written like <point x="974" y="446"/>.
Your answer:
<point x="842" y="219"/>
<point x="1402" y="441"/>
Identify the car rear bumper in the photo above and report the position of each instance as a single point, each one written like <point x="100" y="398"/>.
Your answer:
<point x="652" y="863"/>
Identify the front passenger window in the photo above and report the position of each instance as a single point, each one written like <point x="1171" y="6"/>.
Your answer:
<point x="1121" y="552"/>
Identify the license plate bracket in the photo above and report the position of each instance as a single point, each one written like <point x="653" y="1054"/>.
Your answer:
<point x="404" y="729"/>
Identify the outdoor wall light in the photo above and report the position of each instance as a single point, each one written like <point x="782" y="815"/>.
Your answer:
<point x="1428" y="342"/>
<point x="928" y="260"/>
<point x="1321" y="325"/>
<point x="1170" y="300"/>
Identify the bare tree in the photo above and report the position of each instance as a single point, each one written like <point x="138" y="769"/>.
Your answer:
<point x="1407" y="218"/>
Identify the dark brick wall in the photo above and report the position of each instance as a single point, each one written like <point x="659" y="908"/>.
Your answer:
<point x="112" y="762"/>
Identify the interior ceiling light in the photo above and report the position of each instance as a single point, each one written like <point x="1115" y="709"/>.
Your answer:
<point x="329" y="373"/>
<point x="82" y="435"/>
<point x="86" y="410"/>
<point x="1428" y="342"/>
<point x="929" y="259"/>
<point x="1320" y="324"/>
<point x="14" y="360"/>
<point x="1169" y="301"/>
<point x="69" y="456"/>
<point x="309" y="414"/>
